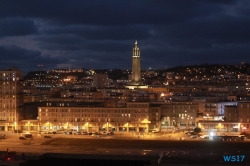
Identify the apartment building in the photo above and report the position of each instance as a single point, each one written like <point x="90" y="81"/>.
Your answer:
<point x="244" y="112"/>
<point x="236" y="119"/>
<point x="11" y="98"/>
<point x="92" y="118"/>
<point x="181" y="114"/>
<point x="101" y="80"/>
<point x="211" y="110"/>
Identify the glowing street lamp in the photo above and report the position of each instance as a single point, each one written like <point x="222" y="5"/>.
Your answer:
<point x="15" y="126"/>
<point x="48" y="126"/>
<point x="87" y="124"/>
<point x="28" y="125"/>
<point x="219" y="126"/>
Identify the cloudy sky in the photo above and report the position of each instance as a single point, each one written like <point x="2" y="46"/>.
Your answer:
<point x="100" y="34"/>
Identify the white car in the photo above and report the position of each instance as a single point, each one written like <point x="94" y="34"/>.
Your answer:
<point x="205" y="136"/>
<point x="155" y="131"/>
<point x="95" y="135"/>
<point x="193" y="136"/>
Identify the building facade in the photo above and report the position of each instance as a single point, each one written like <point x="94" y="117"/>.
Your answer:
<point x="11" y="98"/>
<point x="100" y="80"/>
<point x="132" y="117"/>
<point x="178" y="114"/>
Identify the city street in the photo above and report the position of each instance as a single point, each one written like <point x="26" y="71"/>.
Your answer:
<point x="174" y="150"/>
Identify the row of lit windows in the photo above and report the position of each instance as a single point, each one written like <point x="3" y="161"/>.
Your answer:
<point x="180" y="107"/>
<point x="244" y="105"/>
<point x="138" y="105"/>
<point x="94" y="115"/>
<point x="7" y="110"/>
<point x="187" y="111"/>
<point x="7" y="106"/>
<point x="7" y="100"/>
<point x="66" y="120"/>
<point x="4" y="114"/>
<point x="7" y="119"/>
<point x="7" y="97"/>
<point x="94" y="111"/>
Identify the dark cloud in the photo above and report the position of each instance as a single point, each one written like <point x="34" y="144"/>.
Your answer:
<point x="113" y="12"/>
<point x="25" y="59"/>
<point x="17" y="27"/>
<point x="11" y="53"/>
<point x="101" y="34"/>
<point x="139" y="32"/>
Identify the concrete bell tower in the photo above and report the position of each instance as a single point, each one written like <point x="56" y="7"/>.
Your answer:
<point x="136" y="65"/>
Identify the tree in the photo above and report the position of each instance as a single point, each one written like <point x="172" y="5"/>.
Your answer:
<point x="197" y="130"/>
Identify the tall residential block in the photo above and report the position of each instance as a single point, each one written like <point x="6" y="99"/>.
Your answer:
<point x="11" y="98"/>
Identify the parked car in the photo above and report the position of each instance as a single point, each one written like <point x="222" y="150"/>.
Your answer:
<point x="47" y="136"/>
<point x="111" y="133"/>
<point x="2" y="136"/>
<point x="84" y="133"/>
<point x="191" y="133"/>
<point x="28" y="135"/>
<point x="154" y="131"/>
<point x="22" y="138"/>
<point x="194" y="136"/>
<point x="205" y="136"/>
<point x="95" y="135"/>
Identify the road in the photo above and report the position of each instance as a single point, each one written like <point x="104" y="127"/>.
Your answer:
<point x="174" y="151"/>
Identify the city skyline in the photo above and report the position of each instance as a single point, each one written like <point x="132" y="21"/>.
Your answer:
<point x="99" y="34"/>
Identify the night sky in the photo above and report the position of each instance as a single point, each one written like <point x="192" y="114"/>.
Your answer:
<point x="100" y="34"/>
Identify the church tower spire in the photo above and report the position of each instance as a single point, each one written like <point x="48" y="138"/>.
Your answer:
<point x="136" y="65"/>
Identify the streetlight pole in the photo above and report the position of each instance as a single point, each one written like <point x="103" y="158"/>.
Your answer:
<point x="28" y="126"/>
<point x="16" y="128"/>
<point x="49" y="127"/>
<point x="17" y="124"/>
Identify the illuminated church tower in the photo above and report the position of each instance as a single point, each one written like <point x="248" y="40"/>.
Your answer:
<point x="136" y="66"/>
<point x="135" y="77"/>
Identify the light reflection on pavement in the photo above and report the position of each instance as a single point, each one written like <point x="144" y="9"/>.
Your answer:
<point x="170" y="155"/>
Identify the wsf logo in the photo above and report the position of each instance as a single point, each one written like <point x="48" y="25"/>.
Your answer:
<point x="237" y="158"/>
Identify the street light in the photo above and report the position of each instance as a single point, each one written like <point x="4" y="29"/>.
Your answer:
<point x="188" y="121"/>
<point x="15" y="125"/>
<point x="49" y="126"/>
<point x="28" y="125"/>
<point x="107" y="127"/>
<point x="219" y="126"/>
<point x="16" y="128"/>
<point x="87" y="126"/>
